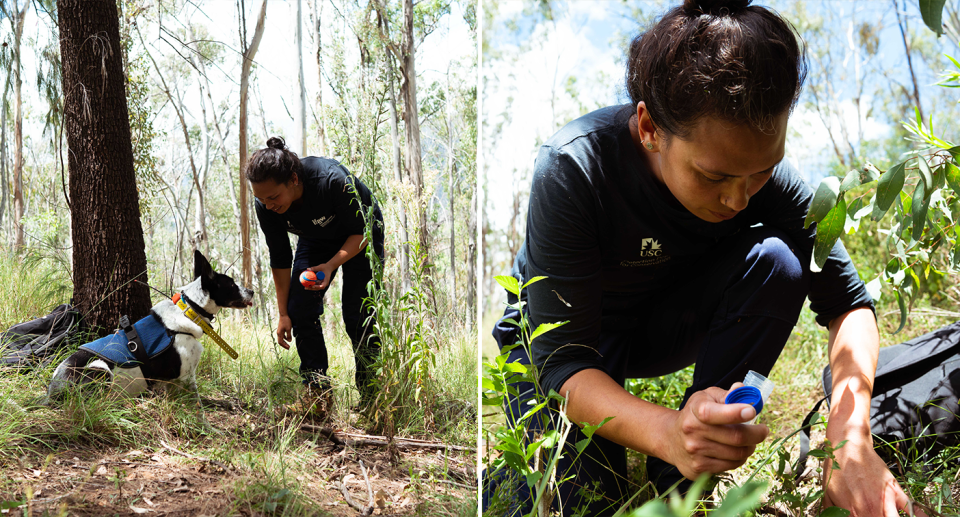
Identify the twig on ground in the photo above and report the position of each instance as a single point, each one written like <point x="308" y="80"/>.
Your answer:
<point x="342" y="438"/>
<point x="198" y="458"/>
<point x="351" y="502"/>
<point x="369" y="488"/>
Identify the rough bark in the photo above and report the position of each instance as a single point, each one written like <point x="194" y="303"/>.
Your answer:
<point x="108" y="247"/>
<point x="248" y="54"/>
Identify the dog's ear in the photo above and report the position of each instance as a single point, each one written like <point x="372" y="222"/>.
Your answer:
<point x="201" y="267"/>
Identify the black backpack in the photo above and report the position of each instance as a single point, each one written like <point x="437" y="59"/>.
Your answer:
<point x="915" y="393"/>
<point x="34" y="343"/>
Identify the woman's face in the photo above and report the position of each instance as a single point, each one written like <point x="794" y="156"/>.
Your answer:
<point x="277" y="197"/>
<point x="716" y="169"/>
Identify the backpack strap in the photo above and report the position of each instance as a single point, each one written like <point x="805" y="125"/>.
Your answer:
<point x="134" y="344"/>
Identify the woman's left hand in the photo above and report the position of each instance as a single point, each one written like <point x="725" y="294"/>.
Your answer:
<point x="863" y="484"/>
<point x="327" y="270"/>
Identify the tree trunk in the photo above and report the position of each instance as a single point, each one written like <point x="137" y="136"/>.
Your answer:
<point x="451" y="190"/>
<point x="301" y="86"/>
<point x="248" y="53"/>
<point x="108" y="247"/>
<point x="472" y="314"/>
<point x="18" y="206"/>
<point x="395" y="138"/>
<point x="3" y="151"/>
<point x="321" y="128"/>
<point x="411" y="120"/>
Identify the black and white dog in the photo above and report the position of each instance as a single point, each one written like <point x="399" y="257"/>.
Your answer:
<point x="170" y="339"/>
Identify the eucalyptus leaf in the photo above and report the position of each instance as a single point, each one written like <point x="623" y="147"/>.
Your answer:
<point x="823" y="200"/>
<point x="932" y="12"/>
<point x="921" y="203"/>
<point x="868" y="173"/>
<point x="828" y="231"/>
<point x="888" y="188"/>
<point x="925" y="174"/>
<point x="850" y="181"/>
<point x="953" y="177"/>
<point x="903" y="312"/>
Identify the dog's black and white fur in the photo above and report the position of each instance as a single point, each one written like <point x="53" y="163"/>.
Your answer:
<point x="209" y="291"/>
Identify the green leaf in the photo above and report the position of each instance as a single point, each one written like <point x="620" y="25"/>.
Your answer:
<point x="925" y="174"/>
<point x="819" y="453"/>
<point x="740" y="500"/>
<point x="835" y="511"/>
<point x="953" y="177"/>
<point x="888" y="188"/>
<point x="932" y="11"/>
<point x="588" y="430"/>
<point x="828" y="231"/>
<point x="511" y="284"/>
<point x="869" y="173"/>
<point x="533" y="281"/>
<point x="533" y="477"/>
<point x="903" y="311"/>
<point x="543" y="328"/>
<point x="920" y="205"/>
<point x="851" y="180"/>
<point x="823" y="201"/>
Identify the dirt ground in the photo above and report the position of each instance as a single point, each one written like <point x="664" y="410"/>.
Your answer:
<point x="164" y="480"/>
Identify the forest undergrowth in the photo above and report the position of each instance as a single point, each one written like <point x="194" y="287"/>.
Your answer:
<point x="245" y="451"/>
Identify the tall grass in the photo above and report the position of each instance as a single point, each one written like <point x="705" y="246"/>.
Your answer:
<point x="277" y="468"/>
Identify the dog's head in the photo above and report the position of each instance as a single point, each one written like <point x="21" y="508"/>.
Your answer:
<point x="216" y="288"/>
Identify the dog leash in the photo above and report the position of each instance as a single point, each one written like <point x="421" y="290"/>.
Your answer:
<point x="207" y="329"/>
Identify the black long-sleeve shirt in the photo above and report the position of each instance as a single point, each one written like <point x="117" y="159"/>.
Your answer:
<point x="328" y="212"/>
<point x="607" y="235"/>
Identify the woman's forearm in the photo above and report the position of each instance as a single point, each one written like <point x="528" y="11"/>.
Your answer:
<point x="281" y="281"/>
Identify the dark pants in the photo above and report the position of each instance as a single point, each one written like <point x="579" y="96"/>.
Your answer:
<point x="733" y="313"/>
<point x="306" y="307"/>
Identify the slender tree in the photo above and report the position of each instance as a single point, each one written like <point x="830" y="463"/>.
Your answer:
<point x="384" y="28"/>
<point x="108" y="246"/>
<point x="301" y="114"/>
<point x="249" y="51"/>
<point x="411" y="120"/>
<point x="17" y="15"/>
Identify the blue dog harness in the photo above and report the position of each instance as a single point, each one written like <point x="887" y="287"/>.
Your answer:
<point x="114" y="348"/>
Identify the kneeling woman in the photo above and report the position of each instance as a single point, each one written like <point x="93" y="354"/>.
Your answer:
<point x="318" y="200"/>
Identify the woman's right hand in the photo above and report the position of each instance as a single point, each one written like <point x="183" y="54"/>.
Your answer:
<point x="284" y="332"/>
<point x="710" y="436"/>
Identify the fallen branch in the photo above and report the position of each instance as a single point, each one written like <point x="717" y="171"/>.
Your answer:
<point x="342" y="438"/>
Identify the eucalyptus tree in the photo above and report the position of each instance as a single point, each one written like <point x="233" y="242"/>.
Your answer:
<point x="16" y="12"/>
<point x="248" y="52"/>
<point x="108" y="245"/>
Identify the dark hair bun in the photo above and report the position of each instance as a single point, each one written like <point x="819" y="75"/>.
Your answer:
<point x="276" y="142"/>
<point x="714" y="7"/>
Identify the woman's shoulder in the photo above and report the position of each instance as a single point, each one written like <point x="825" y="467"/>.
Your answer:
<point x="592" y="128"/>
